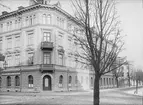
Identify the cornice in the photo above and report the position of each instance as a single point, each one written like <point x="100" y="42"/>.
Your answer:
<point x="37" y="6"/>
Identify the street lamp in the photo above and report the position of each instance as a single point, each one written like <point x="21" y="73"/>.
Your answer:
<point x="5" y="64"/>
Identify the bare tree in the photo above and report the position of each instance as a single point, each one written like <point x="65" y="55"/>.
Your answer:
<point x="117" y="74"/>
<point x="100" y="42"/>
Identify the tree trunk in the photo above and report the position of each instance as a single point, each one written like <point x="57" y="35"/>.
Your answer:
<point x="129" y="82"/>
<point x="117" y="82"/>
<point x="96" y="90"/>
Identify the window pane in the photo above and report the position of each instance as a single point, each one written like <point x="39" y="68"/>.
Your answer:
<point x="47" y="58"/>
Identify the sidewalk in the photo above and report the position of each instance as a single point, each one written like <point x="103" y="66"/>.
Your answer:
<point x="139" y="92"/>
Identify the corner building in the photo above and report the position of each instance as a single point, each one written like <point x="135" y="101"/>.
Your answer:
<point x="36" y="41"/>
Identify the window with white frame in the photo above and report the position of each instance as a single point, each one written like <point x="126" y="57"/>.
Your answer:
<point x="27" y="21"/>
<point x="30" y="36"/>
<point x="44" y="19"/>
<point x="70" y="80"/>
<point x="17" y="81"/>
<point x="16" y="24"/>
<point x="60" y="38"/>
<point x="60" y="81"/>
<point x="8" y="81"/>
<point x="7" y="26"/>
<point x="47" y="36"/>
<point x="10" y="25"/>
<point x="34" y="19"/>
<point x="30" y="81"/>
<point x="17" y="59"/>
<point x="30" y="58"/>
<point x="9" y="60"/>
<point x="48" y="19"/>
<point x="61" y="60"/>
<point x="17" y="41"/>
<point x="9" y="43"/>
<point x="19" y="22"/>
<point x="47" y="58"/>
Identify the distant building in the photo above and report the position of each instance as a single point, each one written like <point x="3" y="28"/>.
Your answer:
<point x="36" y="41"/>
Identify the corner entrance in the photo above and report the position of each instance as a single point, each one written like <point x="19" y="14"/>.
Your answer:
<point x="47" y="83"/>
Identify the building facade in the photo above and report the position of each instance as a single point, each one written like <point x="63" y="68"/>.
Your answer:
<point x="36" y="42"/>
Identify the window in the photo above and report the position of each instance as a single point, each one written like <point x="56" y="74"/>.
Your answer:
<point x="30" y="81"/>
<point x="30" y="38"/>
<point x="0" y="81"/>
<point x="27" y="21"/>
<point x="30" y="58"/>
<point x="7" y="26"/>
<point x="19" y="22"/>
<point x="1" y="28"/>
<point x="17" y="81"/>
<point x="48" y="19"/>
<point x="8" y="81"/>
<point x="17" y="41"/>
<point x="34" y="19"/>
<point x="9" y="60"/>
<point x="17" y="60"/>
<point x="91" y="81"/>
<point x="70" y="79"/>
<point x="31" y="20"/>
<point x="0" y="44"/>
<point x="16" y="24"/>
<point x="10" y="25"/>
<point x="9" y="43"/>
<point x="47" y="36"/>
<point x="60" y="40"/>
<point x="60" y="81"/>
<point x="47" y="58"/>
<point x="61" y="59"/>
<point x="44" y="18"/>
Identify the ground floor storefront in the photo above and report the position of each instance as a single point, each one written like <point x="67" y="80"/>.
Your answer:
<point x="39" y="78"/>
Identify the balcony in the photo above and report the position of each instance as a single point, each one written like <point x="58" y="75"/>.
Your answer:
<point x="47" y="68"/>
<point x="47" y="46"/>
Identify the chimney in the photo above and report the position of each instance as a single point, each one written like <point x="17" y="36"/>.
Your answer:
<point x="4" y="12"/>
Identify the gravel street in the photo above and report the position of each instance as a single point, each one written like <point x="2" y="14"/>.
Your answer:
<point x="108" y="96"/>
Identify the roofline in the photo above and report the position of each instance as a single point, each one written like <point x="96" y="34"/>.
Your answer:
<point x="32" y="7"/>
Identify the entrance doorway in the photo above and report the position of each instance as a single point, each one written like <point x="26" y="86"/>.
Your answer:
<point x="47" y="83"/>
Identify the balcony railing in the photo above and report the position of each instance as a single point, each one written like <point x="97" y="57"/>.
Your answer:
<point x="47" y="45"/>
<point x="47" y="67"/>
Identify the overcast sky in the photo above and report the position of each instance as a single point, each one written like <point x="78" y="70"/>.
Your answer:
<point x="131" y="17"/>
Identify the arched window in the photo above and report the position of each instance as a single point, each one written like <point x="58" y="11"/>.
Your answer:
<point x="91" y="81"/>
<point x="49" y="19"/>
<point x="0" y="81"/>
<point x="8" y="81"/>
<point x="17" y="81"/>
<point x="70" y="79"/>
<point x="44" y="18"/>
<point x="61" y="79"/>
<point x="30" y="81"/>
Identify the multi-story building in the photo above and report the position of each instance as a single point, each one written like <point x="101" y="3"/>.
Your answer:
<point x="36" y="42"/>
